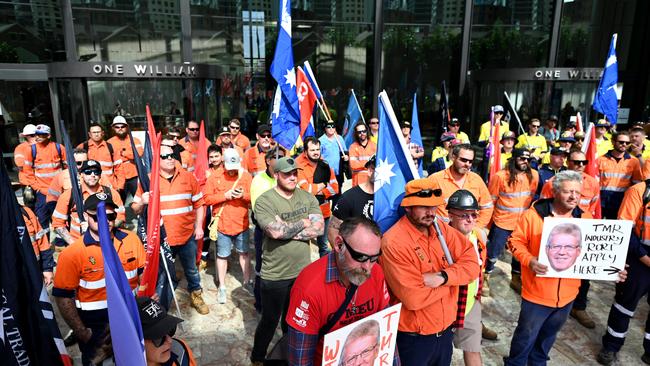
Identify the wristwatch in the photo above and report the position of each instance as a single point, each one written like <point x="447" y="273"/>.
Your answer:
<point x="443" y="274"/>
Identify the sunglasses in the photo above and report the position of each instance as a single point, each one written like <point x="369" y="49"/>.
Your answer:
<point x="233" y="127"/>
<point x="92" y="172"/>
<point x="580" y="162"/>
<point x="110" y="216"/>
<point x="192" y="129"/>
<point x="159" y="341"/>
<point x="426" y="193"/>
<point x="265" y="136"/>
<point x="361" y="257"/>
<point x="175" y="137"/>
<point x="466" y="216"/>
<point x="623" y="142"/>
<point x="535" y="126"/>
<point x="119" y="127"/>
<point x="329" y="126"/>
<point x="373" y="123"/>
<point x="463" y="160"/>
<point x="362" y="131"/>
<point x="167" y="156"/>
<point x="524" y="158"/>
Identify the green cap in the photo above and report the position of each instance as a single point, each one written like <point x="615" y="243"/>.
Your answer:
<point x="285" y="165"/>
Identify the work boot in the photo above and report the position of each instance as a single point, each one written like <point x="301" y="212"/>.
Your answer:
<point x="485" y="290"/>
<point x="198" y="303"/>
<point x="605" y="357"/>
<point x="488" y="333"/>
<point x="646" y="358"/>
<point x="515" y="282"/>
<point x="583" y="318"/>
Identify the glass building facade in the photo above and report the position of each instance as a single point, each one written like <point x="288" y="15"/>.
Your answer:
<point x="83" y="60"/>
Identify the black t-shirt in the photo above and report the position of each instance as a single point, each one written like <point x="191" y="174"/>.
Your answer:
<point x="354" y="202"/>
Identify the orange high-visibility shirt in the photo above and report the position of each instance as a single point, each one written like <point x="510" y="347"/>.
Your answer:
<point x="80" y="269"/>
<point x="66" y="209"/>
<point x="37" y="235"/>
<point x="359" y="156"/>
<point x="61" y="183"/>
<point x="632" y="208"/>
<point x="254" y="160"/>
<point x="241" y="141"/>
<point x="306" y="183"/>
<point x="39" y="173"/>
<point x="191" y="147"/>
<point x="21" y="152"/>
<point x="100" y="153"/>
<point x="234" y="216"/>
<point x="123" y="164"/>
<point x="617" y="176"/>
<point x="511" y="201"/>
<point x="588" y="196"/>
<point x="180" y="197"/>
<point x="473" y="183"/>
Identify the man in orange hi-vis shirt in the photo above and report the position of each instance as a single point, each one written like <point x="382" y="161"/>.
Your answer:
<point x="229" y="194"/>
<point x="361" y="150"/>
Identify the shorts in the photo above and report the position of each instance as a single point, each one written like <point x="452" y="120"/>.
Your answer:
<point x="226" y="242"/>
<point x="468" y="338"/>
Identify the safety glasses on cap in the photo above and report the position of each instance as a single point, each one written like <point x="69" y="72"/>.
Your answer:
<point x="426" y="193"/>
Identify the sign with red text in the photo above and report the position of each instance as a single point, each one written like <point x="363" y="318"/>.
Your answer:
<point x="367" y="342"/>
<point x="584" y="248"/>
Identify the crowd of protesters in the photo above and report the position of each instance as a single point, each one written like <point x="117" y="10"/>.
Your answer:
<point x="436" y="260"/>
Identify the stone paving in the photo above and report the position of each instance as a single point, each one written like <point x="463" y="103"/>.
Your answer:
<point x="225" y="336"/>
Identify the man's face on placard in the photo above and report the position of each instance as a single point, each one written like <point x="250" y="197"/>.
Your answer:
<point x="563" y="249"/>
<point x="361" y="351"/>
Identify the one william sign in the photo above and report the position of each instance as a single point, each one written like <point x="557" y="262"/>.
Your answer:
<point x="584" y="248"/>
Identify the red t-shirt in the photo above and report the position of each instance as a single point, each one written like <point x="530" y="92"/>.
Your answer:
<point x="317" y="294"/>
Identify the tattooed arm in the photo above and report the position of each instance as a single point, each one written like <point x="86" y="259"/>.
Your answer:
<point x="69" y="312"/>
<point x="315" y="229"/>
<point x="282" y="230"/>
<point x="64" y="234"/>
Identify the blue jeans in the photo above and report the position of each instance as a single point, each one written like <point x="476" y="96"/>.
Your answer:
<point x="321" y="241"/>
<point x="42" y="210"/>
<point x="535" y="334"/>
<point x="187" y="254"/>
<point x="496" y="242"/>
<point x="425" y="350"/>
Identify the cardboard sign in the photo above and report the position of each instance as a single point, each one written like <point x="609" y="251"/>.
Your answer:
<point x="584" y="248"/>
<point x="369" y="341"/>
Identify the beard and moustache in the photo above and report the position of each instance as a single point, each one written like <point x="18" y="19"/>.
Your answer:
<point x="356" y="276"/>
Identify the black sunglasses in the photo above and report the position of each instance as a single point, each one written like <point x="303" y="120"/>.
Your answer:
<point x="167" y="156"/>
<point x="580" y="162"/>
<point x="361" y="257"/>
<point x="233" y="127"/>
<point x="524" y="158"/>
<point x="159" y="341"/>
<point x="265" y="136"/>
<point x="623" y="142"/>
<point x="92" y="172"/>
<point x="463" y="160"/>
<point x="426" y="193"/>
<point x="192" y="129"/>
<point x="118" y="127"/>
<point x="362" y="131"/>
<point x="110" y="216"/>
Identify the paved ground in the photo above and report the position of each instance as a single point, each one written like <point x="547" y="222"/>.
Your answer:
<point x="225" y="336"/>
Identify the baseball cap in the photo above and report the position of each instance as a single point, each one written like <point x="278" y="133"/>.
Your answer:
<point x="285" y="165"/>
<point x="558" y="151"/>
<point x="498" y="108"/>
<point x="602" y="123"/>
<point x="156" y="323"/>
<point x="29" y="129"/>
<point x="447" y="136"/>
<point x="43" y="130"/>
<point x="552" y="117"/>
<point x="422" y="192"/>
<point x="231" y="159"/>
<point x="263" y="128"/>
<point x="518" y="152"/>
<point x="90" y="164"/>
<point x="567" y="137"/>
<point x="579" y="134"/>
<point x="92" y="201"/>
<point x="119" y="120"/>
<point x="454" y="121"/>
<point x="508" y="135"/>
<point x="224" y="131"/>
<point x="637" y="126"/>
<point x="330" y="124"/>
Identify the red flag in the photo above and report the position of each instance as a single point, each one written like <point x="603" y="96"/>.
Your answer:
<point x="306" y="98"/>
<point x="201" y="162"/>
<point x="579" y="123"/>
<point x="495" y="163"/>
<point x="150" y="275"/>
<point x="592" y="166"/>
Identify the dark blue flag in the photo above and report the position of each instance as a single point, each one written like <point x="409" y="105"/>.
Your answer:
<point x="606" y="101"/>
<point x="416" y="136"/>
<point x="29" y="334"/>
<point x="77" y="196"/>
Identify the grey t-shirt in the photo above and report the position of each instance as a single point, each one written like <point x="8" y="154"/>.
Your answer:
<point x="284" y="259"/>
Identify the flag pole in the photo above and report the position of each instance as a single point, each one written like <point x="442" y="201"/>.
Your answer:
<point x="361" y="110"/>
<point x="171" y="284"/>
<point x="313" y="79"/>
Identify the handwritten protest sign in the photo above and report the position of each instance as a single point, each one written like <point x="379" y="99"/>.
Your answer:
<point x="367" y="342"/>
<point x="584" y="248"/>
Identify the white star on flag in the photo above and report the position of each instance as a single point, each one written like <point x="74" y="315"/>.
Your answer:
<point x="290" y="78"/>
<point x="383" y="173"/>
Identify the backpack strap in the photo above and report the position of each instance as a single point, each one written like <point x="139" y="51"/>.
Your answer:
<point x="110" y="150"/>
<point x="58" y="150"/>
<point x="33" y="155"/>
<point x="335" y="318"/>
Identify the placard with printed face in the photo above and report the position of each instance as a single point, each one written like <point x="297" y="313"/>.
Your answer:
<point x="584" y="248"/>
<point x="366" y="342"/>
